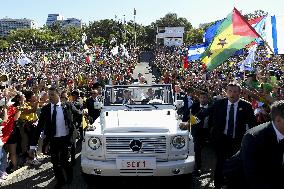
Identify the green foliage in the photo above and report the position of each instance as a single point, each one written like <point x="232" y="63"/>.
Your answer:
<point x="194" y="36"/>
<point x="172" y="20"/>
<point x="255" y="14"/>
<point x="98" y="41"/>
<point x="106" y="29"/>
<point x="3" y="44"/>
<point x="103" y="31"/>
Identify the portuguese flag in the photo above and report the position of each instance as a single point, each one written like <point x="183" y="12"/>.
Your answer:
<point x="233" y="34"/>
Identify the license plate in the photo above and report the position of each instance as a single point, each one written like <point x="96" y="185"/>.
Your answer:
<point x="135" y="163"/>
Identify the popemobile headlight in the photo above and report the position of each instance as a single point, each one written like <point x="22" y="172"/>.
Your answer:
<point x="178" y="142"/>
<point x="94" y="143"/>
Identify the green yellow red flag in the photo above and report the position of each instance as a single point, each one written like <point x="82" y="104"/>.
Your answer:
<point x="233" y="34"/>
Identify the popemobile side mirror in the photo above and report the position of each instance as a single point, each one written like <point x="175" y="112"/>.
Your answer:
<point x="179" y="104"/>
<point x="98" y="105"/>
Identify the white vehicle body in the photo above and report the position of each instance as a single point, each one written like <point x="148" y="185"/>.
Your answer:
<point x="142" y="138"/>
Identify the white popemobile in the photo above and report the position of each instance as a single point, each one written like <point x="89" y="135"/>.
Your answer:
<point x="138" y="134"/>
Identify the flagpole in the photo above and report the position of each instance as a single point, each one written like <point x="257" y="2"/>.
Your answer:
<point x="266" y="44"/>
<point x="134" y="27"/>
<point x="124" y="22"/>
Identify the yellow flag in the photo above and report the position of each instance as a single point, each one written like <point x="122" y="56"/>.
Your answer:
<point x="86" y="47"/>
<point x="84" y="123"/>
<point x="231" y="64"/>
<point x="45" y="59"/>
<point x="193" y="120"/>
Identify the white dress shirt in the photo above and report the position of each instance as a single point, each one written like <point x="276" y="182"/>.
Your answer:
<point x="61" y="128"/>
<point x="235" y="116"/>
<point x="190" y="102"/>
<point x="205" y="125"/>
<point x="279" y="135"/>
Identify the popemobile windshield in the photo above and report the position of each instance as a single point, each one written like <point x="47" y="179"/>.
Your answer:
<point x="137" y="134"/>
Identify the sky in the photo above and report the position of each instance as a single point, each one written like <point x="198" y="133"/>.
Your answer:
<point x="195" y="11"/>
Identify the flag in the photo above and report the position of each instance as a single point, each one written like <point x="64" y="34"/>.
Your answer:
<point x="247" y="63"/>
<point x="100" y="62"/>
<point x="274" y="33"/>
<point x="185" y="62"/>
<point x="195" y="51"/>
<point x="210" y="33"/>
<point x="89" y="59"/>
<point x="7" y="127"/>
<point x="86" y="47"/>
<point x="45" y="59"/>
<point x="258" y="25"/>
<point x="84" y="38"/>
<point x="115" y="50"/>
<point x="24" y="60"/>
<point x="193" y="120"/>
<point x="84" y="123"/>
<point x="233" y="34"/>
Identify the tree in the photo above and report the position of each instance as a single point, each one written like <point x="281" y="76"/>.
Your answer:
<point x="106" y="29"/>
<point x="172" y="20"/>
<point x="255" y="14"/>
<point x="3" y="44"/>
<point x="194" y="36"/>
<point x="98" y="41"/>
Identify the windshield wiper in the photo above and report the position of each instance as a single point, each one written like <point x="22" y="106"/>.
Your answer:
<point x="154" y="106"/>
<point x="128" y="106"/>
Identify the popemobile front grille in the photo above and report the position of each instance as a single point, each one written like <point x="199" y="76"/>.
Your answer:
<point x="136" y="172"/>
<point x="150" y="145"/>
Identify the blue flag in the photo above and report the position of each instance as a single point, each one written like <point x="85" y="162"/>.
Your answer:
<point x="247" y="64"/>
<point x="210" y="32"/>
<point x="195" y="51"/>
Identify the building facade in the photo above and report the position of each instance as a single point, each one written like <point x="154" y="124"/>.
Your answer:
<point x="57" y="18"/>
<point x="8" y="24"/>
<point x="170" y="36"/>
<point x="52" y="18"/>
<point x="74" y="22"/>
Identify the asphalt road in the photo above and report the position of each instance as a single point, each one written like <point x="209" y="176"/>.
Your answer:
<point x="42" y="177"/>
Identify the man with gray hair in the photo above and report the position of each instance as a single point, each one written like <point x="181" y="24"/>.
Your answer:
<point x="262" y="152"/>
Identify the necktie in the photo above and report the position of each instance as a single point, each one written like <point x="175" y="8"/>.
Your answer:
<point x="53" y="120"/>
<point x="231" y="122"/>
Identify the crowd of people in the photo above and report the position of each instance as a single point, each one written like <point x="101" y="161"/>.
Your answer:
<point x="227" y="102"/>
<point x="261" y="85"/>
<point x="76" y="76"/>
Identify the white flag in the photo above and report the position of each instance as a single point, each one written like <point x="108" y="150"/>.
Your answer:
<point x="24" y="60"/>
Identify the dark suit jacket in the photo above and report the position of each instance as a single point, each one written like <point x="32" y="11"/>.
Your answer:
<point x="44" y="122"/>
<point x="92" y="112"/>
<point x="185" y="109"/>
<point x="78" y="116"/>
<point x="262" y="158"/>
<point x="245" y="117"/>
<point x="198" y="112"/>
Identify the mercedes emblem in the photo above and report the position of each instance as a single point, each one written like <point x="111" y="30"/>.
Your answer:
<point x="135" y="145"/>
